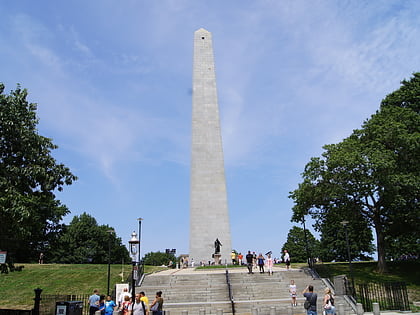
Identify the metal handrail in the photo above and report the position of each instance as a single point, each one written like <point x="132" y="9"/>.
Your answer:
<point x="232" y="302"/>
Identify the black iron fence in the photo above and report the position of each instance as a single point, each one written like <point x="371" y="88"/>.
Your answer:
<point x="389" y="295"/>
<point x="15" y="312"/>
<point x="49" y="301"/>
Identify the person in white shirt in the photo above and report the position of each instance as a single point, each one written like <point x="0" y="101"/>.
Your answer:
<point x="123" y="294"/>
<point x="138" y="308"/>
<point x="286" y="259"/>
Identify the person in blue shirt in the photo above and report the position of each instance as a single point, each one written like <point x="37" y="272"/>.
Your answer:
<point x="94" y="302"/>
<point x="109" y="305"/>
<point x="310" y="296"/>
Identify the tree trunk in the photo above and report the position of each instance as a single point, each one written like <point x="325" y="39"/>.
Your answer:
<point x="380" y="243"/>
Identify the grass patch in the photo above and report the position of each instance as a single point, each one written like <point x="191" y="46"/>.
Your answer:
<point x="17" y="288"/>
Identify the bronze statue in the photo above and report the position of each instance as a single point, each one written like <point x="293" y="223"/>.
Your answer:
<point x="217" y="245"/>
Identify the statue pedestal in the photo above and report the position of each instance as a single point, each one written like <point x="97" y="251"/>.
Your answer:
<point x="217" y="259"/>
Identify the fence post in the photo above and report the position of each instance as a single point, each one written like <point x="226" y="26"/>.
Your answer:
<point x="184" y="312"/>
<point x="202" y="311"/>
<point x="359" y="307"/>
<point x="376" y="308"/>
<point x="37" y="300"/>
<point x="219" y="311"/>
<point x="254" y="311"/>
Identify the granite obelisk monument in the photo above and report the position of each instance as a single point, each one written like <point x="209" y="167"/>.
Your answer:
<point x="209" y="216"/>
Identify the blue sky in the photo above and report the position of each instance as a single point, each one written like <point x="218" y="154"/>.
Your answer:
<point x="112" y="80"/>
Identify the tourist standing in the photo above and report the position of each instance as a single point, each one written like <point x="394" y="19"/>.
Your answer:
<point x="145" y="299"/>
<point x="269" y="262"/>
<point x="328" y="304"/>
<point x="138" y="307"/>
<point x="233" y="257"/>
<point x="125" y="307"/>
<point x="41" y="258"/>
<point x="249" y="261"/>
<point x="310" y="296"/>
<point x="94" y="302"/>
<point x="260" y="260"/>
<point x="240" y="257"/>
<point x="156" y="306"/>
<point x="123" y="294"/>
<point x="102" y="304"/>
<point x="110" y="305"/>
<point x="286" y="259"/>
<point x="293" y="290"/>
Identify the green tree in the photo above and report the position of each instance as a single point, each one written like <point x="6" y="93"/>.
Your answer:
<point x="374" y="172"/>
<point x="29" y="179"/>
<point x="158" y="259"/>
<point x="333" y="244"/>
<point x="84" y="241"/>
<point x="299" y="246"/>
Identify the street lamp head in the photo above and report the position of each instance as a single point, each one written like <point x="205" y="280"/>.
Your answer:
<point x="133" y="243"/>
<point x="134" y="239"/>
<point x="139" y="219"/>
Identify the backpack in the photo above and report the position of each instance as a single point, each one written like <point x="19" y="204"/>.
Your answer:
<point x="307" y="303"/>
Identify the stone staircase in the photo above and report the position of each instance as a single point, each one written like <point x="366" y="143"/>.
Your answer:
<point x="207" y="290"/>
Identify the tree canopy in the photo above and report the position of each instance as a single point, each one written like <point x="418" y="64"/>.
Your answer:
<point x="301" y="247"/>
<point x="374" y="172"/>
<point x="159" y="259"/>
<point x="29" y="179"/>
<point x="84" y="241"/>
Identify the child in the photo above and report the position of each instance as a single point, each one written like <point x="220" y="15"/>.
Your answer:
<point x="292" y="290"/>
<point x="109" y="305"/>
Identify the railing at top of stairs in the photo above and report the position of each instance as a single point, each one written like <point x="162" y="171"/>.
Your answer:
<point x="230" y="291"/>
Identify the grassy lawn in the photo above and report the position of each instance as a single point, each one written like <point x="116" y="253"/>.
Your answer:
<point x="17" y="288"/>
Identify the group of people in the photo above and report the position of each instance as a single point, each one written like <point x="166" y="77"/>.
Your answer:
<point x="140" y="305"/>
<point x="252" y="261"/>
<point x="311" y="299"/>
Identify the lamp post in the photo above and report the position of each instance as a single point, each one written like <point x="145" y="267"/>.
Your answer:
<point x="306" y="243"/>
<point x="133" y="250"/>
<point x="344" y="223"/>
<point x="139" y="219"/>
<point x="109" y="258"/>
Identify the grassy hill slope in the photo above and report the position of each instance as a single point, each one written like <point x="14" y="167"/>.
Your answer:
<point x="17" y="288"/>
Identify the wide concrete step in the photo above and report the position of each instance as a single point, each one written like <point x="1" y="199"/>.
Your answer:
<point x="195" y="292"/>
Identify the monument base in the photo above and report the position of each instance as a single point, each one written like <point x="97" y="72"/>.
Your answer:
<point x="217" y="258"/>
